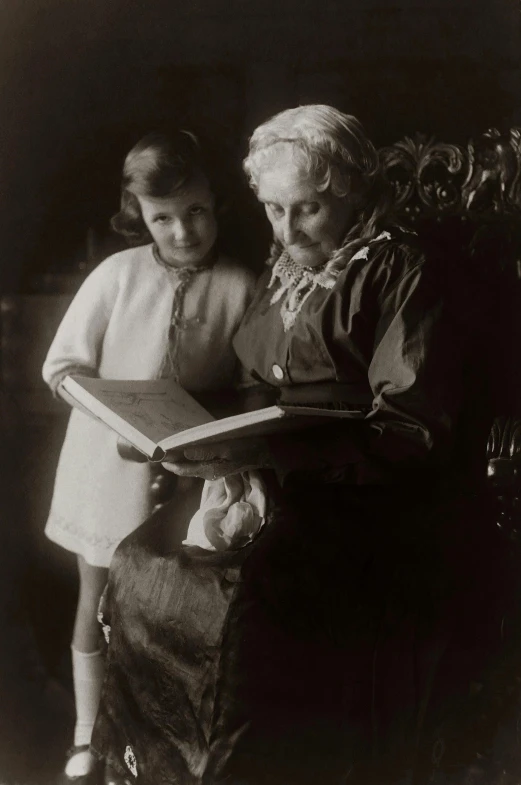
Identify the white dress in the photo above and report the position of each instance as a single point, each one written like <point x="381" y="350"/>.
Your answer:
<point x="134" y="319"/>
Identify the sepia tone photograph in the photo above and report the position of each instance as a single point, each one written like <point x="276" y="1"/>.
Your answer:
<point x="260" y="387"/>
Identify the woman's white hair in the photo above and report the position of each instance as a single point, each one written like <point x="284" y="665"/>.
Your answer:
<point x="329" y="145"/>
<point x="334" y="151"/>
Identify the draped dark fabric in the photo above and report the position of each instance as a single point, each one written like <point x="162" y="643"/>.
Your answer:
<point x="341" y="641"/>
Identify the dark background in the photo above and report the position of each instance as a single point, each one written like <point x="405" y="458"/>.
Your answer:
<point x="80" y="81"/>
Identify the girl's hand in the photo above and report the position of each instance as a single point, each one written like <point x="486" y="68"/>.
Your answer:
<point x="218" y="460"/>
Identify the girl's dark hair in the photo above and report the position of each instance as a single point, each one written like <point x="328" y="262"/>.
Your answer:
<point x="157" y="166"/>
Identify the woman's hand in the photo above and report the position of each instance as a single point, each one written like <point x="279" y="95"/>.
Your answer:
<point x="213" y="461"/>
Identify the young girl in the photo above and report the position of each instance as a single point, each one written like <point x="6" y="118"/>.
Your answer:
<point x="167" y="308"/>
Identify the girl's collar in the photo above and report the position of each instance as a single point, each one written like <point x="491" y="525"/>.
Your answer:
<point x="187" y="269"/>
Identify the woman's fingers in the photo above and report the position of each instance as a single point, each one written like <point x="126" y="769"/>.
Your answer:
<point x="217" y="460"/>
<point x="207" y="471"/>
<point x="182" y="468"/>
<point x="202" y="454"/>
<point x="192" y="456"/>
<point x="234" y="450"/>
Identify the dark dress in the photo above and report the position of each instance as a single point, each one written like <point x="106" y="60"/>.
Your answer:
<point x="332" y="648"/>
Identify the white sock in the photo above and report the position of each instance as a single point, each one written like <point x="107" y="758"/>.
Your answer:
<point x="87" y="675"/>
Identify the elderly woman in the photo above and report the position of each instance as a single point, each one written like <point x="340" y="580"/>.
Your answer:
<point x="307" y="656"/>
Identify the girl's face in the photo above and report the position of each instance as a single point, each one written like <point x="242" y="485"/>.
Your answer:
<point x="310" y="224"/>
<point x="183" y="226"/>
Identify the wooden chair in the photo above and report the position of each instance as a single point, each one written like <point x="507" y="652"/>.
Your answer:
<point x="465" y="204"/>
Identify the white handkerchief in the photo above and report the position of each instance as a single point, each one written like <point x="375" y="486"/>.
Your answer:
<point x="232" y="512"/>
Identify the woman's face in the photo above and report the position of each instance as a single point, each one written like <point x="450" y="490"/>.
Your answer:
<point x="183" y="226"/>
<point x="310" y="224"/>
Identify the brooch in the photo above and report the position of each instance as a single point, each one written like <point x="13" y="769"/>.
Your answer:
<point x="130" y="760"/>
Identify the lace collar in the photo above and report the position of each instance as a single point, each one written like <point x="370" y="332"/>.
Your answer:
<point x="296" y="282"/>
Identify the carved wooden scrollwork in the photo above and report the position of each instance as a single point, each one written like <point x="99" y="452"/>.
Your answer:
<point x="478" y="188"/>
<point x="504" y="473"/>
<point x="494" y="165"/>
<point x="426" y="177"/>
<point x="432" y="179"/>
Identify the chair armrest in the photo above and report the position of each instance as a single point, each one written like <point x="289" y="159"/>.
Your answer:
<point x="504" y="473"/>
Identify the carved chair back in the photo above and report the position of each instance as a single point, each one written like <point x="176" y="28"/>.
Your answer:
<point x="465" y="202"/>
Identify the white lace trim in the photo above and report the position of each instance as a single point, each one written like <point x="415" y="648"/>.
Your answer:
<point x="297" y="283"/>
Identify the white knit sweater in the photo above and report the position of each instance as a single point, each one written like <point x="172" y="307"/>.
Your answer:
<point x="118" y="327"/>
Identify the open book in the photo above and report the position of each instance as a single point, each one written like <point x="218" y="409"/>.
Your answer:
<point x="159" y="415"/>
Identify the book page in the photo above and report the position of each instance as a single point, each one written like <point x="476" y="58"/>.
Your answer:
<point x="157" y="408"/>
<point x="258" y="422"/>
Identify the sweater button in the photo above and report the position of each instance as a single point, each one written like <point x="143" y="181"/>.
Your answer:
<point x="277" y="372"/>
